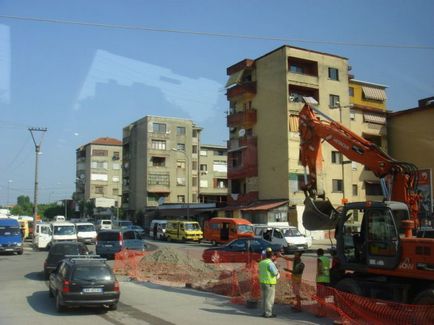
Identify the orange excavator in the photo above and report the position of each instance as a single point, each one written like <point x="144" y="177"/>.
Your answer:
<point x="376" y="253"/>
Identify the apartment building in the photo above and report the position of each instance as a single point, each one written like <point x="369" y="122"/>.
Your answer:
<point x="213" y="180"/>
<point x="265" y="98"/>
<point x="160" y="163"/>
<point x="99" y="172"/>
<point x="368" y="111"/>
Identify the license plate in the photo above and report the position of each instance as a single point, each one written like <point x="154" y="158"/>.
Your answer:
<point x="92" y="290"/>
<point x="108" y="245"/>
<point x="9" y="249"/>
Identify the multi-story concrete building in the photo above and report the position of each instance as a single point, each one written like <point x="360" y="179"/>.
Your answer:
<point x="411" y="139"/>
<point x="265" y="98"/>
<point x="160" y="163"/>
<point x="99" y="172"/>
<point x="213" y="183"/>
<point x="367" y="117"/>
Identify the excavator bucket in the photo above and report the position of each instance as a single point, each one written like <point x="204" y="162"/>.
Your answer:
<point x="319" y="214"/>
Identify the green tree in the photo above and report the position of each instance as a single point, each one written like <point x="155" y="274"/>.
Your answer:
<point x="24" y="207"/>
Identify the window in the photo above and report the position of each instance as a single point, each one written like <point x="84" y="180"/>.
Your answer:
<point x="297" y="65"/>
<point x="180" y="181"/>
<point x="220" y="183"/>
<point x="116" y="155"/>
<point x="296" y="182"/>
<point x="180" y="130"/>
<point x="194" y="181"/>
<point x="355" y="190"/>
<point x="180" y="164"/>
<point x="296" y="93"/>
<point x="195" y="133"/>
<point x="373" y="138"/>
<point x="296" y="69"/>
<point x="194" y="149"/>
<point x="351" y="91"/>
<point x="333" y="74"/>
<point x="99" y="164"/>
<point x="203" y="183"/>
<point x="101" y="153"/>
<point x="219" y="153"/>
<point x="158" y="144"/>
<point x="115" y="191"/>
<point x="194" y="165"/>
<point x="334" y="101"/>
<point x="337" y="185"/>
<point x="180" y="147"/>
<point x="158" y="161"/>
<point x="181" y="198"/>
<point x="116" y="166"/>
<point x="352" y="115"/>
<point x="336" y="157"/>
<point x="373" y="188"/>
<point x="203" y="152"/>
<point x="158" y="179"/>
<point x="203" y="167"/>
<point x="220" y="166"/>
<point x="159" y="128"/>
<point x="115" y="179"/>
<point x="99" y="177"/>
<point x="99" y="189"/>
<point x="237" y="160"/>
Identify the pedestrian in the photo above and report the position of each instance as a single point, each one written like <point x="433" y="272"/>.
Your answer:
<point x="268" y="275"/>
<point x="297" y="273"/>
<point x="155" y="230"/>
<point x="322" y="280"/>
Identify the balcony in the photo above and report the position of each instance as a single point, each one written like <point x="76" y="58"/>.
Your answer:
<point x="244" y="64"/>
<point x="244" y="119"/>
<point x="246" y="90"/>
<point x="242" y="158"/>
<point x="242" y="199"/>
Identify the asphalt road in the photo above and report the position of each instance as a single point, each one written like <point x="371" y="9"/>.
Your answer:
<point x="24" y="300"/>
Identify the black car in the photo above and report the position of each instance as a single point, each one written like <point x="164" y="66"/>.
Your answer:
<point x="58" y="252"/>
<point x="425" y="232"/>
<point x="84" y="281"/>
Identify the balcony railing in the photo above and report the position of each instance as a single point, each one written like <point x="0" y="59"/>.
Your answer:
<point x="244" y="119"/>
<point x="243" y="90"/>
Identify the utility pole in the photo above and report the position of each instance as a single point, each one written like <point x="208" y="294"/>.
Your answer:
<point x="37" y="152"/>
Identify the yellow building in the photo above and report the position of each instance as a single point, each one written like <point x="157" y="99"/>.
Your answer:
<point x="265" y="98"/>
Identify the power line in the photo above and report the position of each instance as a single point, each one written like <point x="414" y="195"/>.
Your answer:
<point x="211" y="34"/>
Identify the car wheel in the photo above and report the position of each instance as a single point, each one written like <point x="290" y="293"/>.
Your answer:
<point x="426" y="297"/>
<point x="50" y="292"/>
<point x="59" y="307"/>
<point x="113" y="307"/>
<point x="20" y="253"/>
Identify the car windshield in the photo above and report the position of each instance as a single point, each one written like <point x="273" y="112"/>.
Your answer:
<point x="68" y="249"/>
<point x="245" y="229"/>
<point x="106" y="222"/>
<point x="85" y="228"/>
<point x="64" y="230"/>
<point x="191" y="226"/>
<point x="291" y="232"/>
<point x="92" y="273"/>
<point x="108" y="236"/>
<point x="9" y="231"/>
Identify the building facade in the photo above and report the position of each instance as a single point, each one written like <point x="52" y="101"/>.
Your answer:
<point x="266" y="96"/>
<point x="213" y="180"/>
<point x="99" y="172"/>
<point x="160" y="163"/>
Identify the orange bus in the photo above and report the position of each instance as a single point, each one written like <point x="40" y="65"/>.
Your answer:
<point x="223" y="230"/>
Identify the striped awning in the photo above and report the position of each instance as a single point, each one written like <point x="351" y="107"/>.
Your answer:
<point x="293" y="123"/>
<point x="374" y="93"/>
<point x="374" y="118"/>
<point x="234" y="78"/>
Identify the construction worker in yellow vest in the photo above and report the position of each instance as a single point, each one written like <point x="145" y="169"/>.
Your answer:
<point x="268" y="275"/>
<point x="322" y="280"/>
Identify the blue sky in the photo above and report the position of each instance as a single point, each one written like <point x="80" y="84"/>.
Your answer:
<point x="84" y="82"/>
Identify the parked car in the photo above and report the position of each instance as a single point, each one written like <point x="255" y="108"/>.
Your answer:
<point x="104" y="224"/>
<point x="133" y="240"/>
<point x="138" y="229"/>
<point x="108" y="243"/>
<point x="84" y="281"/>
<point x="11" y="240"/>
<point x="223" y="230"/>
<point x="62" y="231"/>
<point x="425" y="232"/>
<point x="86" y="232"/>
<point x="160" y="227"/>
<point x="287" y="236"/>
<point x="58" y="252"/>
<point x="240" y="250"/>
<point x="122" y="224"/>
<point x="182" y="230"/>
<point x="42" y="235"/>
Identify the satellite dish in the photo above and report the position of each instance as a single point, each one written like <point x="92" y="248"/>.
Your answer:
<point x="242" y="132"/>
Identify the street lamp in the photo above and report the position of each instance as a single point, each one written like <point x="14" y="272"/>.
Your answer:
<point x="188" y="179"/>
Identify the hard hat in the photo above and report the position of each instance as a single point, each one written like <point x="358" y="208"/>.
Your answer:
<point x="268" y="249"/>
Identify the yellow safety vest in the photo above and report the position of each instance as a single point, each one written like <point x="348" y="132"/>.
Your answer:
<point x="324" y="277"/>
<point x="265" y="276"/>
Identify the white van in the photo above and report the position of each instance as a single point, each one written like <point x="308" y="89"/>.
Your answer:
<point x="160" y="226"/>
<point x="86" y="232"/>
<point x="104" y="224"/>
<point x="63" y="231"/>
<point x="289" y="237"/>
<point x="59" y="218"/>
<point x="41" y="235"/>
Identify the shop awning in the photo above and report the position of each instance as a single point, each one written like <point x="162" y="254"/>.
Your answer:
<point x="264" y="206"/>
<point x="374" y="118"/>
<point x="374" y="93"/>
